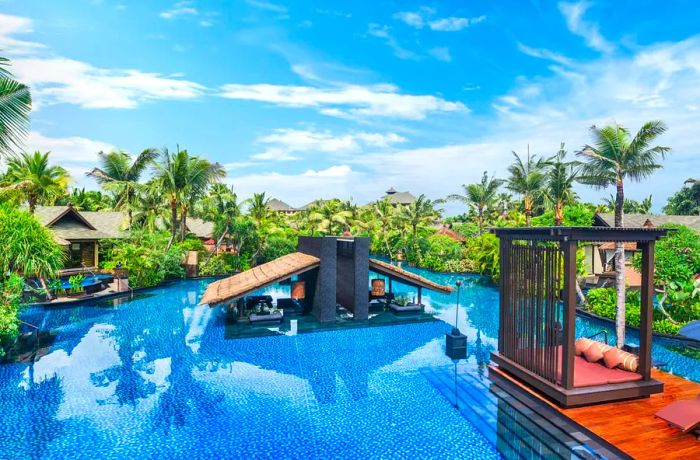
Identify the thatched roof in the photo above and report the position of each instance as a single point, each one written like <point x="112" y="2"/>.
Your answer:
<point x="279" y="205"/>
<point x="640" y="220"/>
<point x="68" y="224"/>
<point x="399" y="197"/>
<point x="236" y="286"/>
<point x="201" y="228"/>
<point x="392" y="271"/>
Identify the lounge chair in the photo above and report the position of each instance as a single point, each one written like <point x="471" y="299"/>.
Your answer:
<point x="684" y="414"/>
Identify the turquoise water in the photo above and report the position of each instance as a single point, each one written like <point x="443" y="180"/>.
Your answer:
<point x="155" y="377"/>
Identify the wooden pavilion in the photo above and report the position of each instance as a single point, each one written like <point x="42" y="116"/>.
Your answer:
<point x="537" y="322"/>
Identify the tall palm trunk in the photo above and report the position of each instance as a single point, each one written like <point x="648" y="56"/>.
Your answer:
<point x="183" y="222"/>
<point x="559" y="213"/>
<point x="620" y="267"/>
<point x="528" y="210"/>
<point x="480" y="218"/>
<point x="173" y="220"/>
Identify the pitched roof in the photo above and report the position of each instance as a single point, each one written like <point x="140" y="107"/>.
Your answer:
<point x="400" y="197"/>
<point x="236" y="286"/>
<point x="69" y="224"/>
<point x="639" y="220"/>
<point x="111" y="223"/>
<point x="318" y="202"/>
<point x="387" y="269"/>
<point x="278" y="205"/>
<point x="201" y="228"/>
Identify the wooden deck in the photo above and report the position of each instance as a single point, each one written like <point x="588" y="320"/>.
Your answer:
<point x="631" y="425"/>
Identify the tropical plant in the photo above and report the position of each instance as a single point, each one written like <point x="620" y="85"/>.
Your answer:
<point x="86" y="200"/>
<point x="183" y="178"/>
<point x="527" y="179"/>
<point x="259" y="208"/>
<point x="32" y="177"/>
<point x="76" y="283"/>
<point x="15" y="105"/>
<point x="416" y="217"/>
<point x="561" y="175"/>
<point x="613" y="158"/>
<point x="119" y="173"/>
<point x="329" y="217"/>
<point x="686" y="201"/>
<point x="383" y="214"/>
<point x="480" y="196"/>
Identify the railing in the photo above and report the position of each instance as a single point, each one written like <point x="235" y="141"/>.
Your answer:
<point x="603" y="332"/>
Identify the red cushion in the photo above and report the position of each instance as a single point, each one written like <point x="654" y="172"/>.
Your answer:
<point x="612" y="358"/>
<point x="582" y="345"/>
<point x="595" y="352"/>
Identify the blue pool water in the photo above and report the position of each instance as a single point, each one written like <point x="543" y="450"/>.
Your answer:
<point x="155" y="377"/>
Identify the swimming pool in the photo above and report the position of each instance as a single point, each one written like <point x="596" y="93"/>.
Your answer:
<point x="155" y="377"/>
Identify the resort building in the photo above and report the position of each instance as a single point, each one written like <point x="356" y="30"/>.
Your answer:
<point x="81" y="231"/>
<point x="398" y="198"/>
<point x="281" y="207"/>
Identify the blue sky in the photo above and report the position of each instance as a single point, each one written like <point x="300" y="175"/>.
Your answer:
<point x="320" y="99"/>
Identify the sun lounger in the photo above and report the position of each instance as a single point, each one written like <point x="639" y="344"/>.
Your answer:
<point x="684" y="414"/>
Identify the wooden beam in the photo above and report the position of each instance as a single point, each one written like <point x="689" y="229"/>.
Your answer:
<point x="647" y="309"/>
<point x="420" y="295"/>
<point x="569" y="327"/>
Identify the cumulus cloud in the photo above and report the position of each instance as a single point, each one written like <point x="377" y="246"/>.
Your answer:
<point x="346" y="100"/>
<point x="286" y="144"/>
<point x="63" y="80"/>
<point x="573" y="14"/>
<point x="542" y="53"/>
<point x="15" y="25"/>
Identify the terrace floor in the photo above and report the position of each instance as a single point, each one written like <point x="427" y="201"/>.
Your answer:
<point x="631" y="426"/>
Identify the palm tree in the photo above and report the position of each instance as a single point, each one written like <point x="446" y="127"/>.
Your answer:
<point x="221" y="207"/>
<point x="330" y="215"/>
<point x="614" y="158"/>
<point x="385" y="214"/>
<point x="119" y="173"/>
<point x="417" y="215"/>
<point x="183" y="178"/>
<point x="259" y="208"/>
<point x="30" y="175"/>
<point x="15" y="105"/>
<point x="561" y="175"/>
<point x="480" y="196"/>
<point x="527" y="179"/>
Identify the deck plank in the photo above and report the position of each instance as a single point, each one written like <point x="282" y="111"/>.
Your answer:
<point x="631" y="425"/>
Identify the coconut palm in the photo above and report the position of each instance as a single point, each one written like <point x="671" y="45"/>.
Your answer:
<point x="480" y="197"/>
<point x="330" y="217"/>
<point x="613" y="158"/>
<point x="259" y="208"/>
<point x="15" y="105"/>
<point x="418" y="215"/>
<point x="527" y="179"/>
<point x="384" y="215"/>
<point x="120" y="174"/>
<point x="183" y="178"/>
<point x="30" y="176"/>
<point x="561" y="175"/>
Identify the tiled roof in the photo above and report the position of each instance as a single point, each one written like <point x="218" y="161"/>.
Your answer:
<point x="68" y="225"/>
<point x="639" y="220"/>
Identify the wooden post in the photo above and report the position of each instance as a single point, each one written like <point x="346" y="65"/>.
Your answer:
<point x="391" y="288"/>
<point x="96" y="256"/>
<point x="569" y="326"/>
<point x="647" y="309"/>
<point x="420" y="295"/>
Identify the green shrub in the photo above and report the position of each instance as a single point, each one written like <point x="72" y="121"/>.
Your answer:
<point x="10" y="295"/>
<point x="665" y="326"/>
<point x="482" y="255"/>
<point x="217" y="265"/>
<point x="76" y="283"/>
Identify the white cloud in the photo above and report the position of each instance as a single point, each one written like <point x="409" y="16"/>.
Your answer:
<point x="542" y="53"/>
<point x="422" y="18"/>
<point x="285" y="144"/>
<point x="62" y="80"/>
<point x="184" y="8"/>
<point x="348" y="100"/>
<point x="453" y="24"/>
<point x="268" y="6"/>
<point x="16" y="25"/>
<point x="383" y="32"/>
<point x="573" y="14"/>
<point x="297" y="189"/>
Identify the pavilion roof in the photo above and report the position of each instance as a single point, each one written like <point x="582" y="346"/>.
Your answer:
<point x="392" y="271"/>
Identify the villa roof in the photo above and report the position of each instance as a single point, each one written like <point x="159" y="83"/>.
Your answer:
<point x="278" y="205"/>
<point x="400" y="197"/>
<point x="201" y="228"/>
<point x="447" y="231"/>
<point x="241" y="284"/>
<point x="640" y="220"/>
<point x="392" y="271"/>
<point x="68" y="223"/>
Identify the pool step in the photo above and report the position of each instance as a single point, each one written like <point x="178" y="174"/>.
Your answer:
<point x="517" y="423"/>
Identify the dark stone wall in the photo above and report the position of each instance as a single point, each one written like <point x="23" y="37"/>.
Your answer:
<point x="324" y="292"/>
<point x="361" y="278"/>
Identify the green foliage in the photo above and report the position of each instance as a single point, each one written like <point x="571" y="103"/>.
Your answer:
<point x="217" y="265"/>
<point x="56" y="287"/>
<point x="15" y="105"/>
<point x="146" y="257"/>
<point x="27" y="246"/>
<point x="278" y="246"/>
<point x="10" y="295"/>
<point x="191" y="244"/>
<point x="76" y="283"/>
<point x="482" y="254"/>
<point x="575" y="215"/>
<point x="686" y="201"/>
